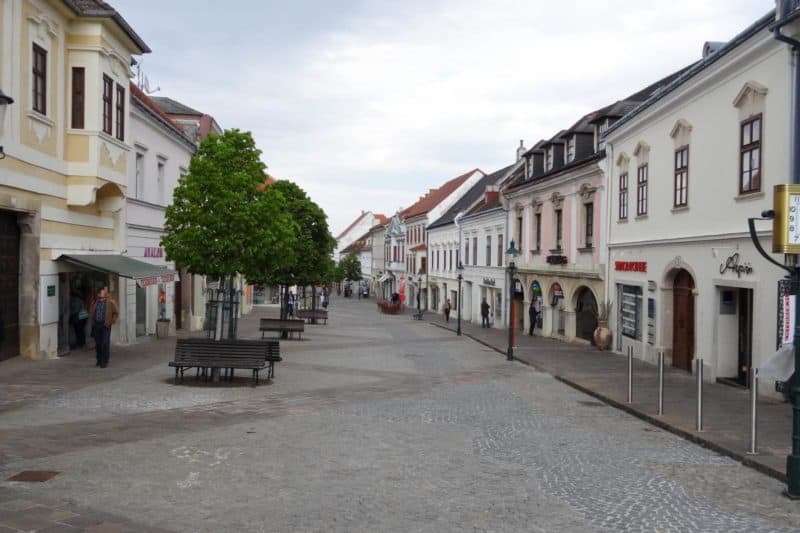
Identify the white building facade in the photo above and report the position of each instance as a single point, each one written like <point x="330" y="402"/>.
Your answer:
<point x="688" y="168"/>
<point x="162" y="154"/>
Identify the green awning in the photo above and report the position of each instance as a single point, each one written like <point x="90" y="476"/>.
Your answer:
<point x="143" y="273"/>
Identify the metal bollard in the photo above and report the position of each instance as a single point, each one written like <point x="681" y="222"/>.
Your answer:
<point x="630" y="374"/>
<point x="660" y="383"/>
<point x="753" y="411"/>
<point x="699" y="373"/>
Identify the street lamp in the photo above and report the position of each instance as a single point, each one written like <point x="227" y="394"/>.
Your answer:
<point x="512" y="252"/>
<point x="419" y="296"/>
<point x="5" y="101"/>
<point x="460" y="268"/>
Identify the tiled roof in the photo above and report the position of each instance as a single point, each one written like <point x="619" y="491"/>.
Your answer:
<point x="140" y="96"/>
<point x="382" y="219"/>
<point x="100" y="9"/>
<point x="173" y="107"/>
<point x="435" y="196"/>
<point x="472" y="196"/>
<point x="486" y="206"/>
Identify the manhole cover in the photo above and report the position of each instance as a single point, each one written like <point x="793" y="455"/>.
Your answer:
<point x="591" y="404"/>
<point x="34" y="475"/>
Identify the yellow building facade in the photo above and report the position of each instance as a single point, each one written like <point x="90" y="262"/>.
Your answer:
<point x="66" y="64"/>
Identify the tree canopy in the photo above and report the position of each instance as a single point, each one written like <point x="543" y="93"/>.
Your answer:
<point x="223" y="219"/>
<point x="351" y="267"/>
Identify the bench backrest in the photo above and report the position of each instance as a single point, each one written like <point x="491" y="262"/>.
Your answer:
<point x="289" y="324"/>
<point x="308" y="313"/>
<point x="196" y="348"/>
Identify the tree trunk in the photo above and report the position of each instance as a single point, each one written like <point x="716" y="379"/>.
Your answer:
<point x="313" y="303"/>
<point x="284" y="308"/>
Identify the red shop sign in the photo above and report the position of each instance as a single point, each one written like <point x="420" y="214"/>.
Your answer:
<point x="630" y="266"/>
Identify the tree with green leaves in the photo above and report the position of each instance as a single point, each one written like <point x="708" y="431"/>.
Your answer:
<point x="314" y="244"/>
<point x="351" y="267"/>
<point x="223" y="219"/>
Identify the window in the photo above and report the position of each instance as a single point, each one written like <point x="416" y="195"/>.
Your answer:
<point x="466" y="253"/>
<point x="549" y="161"/>
<point x="681" y="177"/>
<point x="458" y="258"/>
<point x="623" y="196"/>
<point x="139" y="185"/>
<point x="538" y="217"/>
<point x="488" y="250"/>
<point x="750" y="170"/>
<point x="631" y="311"/>
<point x="450" y="262"/>
<point x="108" y="87"/>
<point x="559" y="229"/>
<point x="641" y="190"/>
<point x="39" y="79"/>
<point x="601" y="144"/>
<point x="161" y="165"/>
<point x="589" y="225"/>
<point x="571" y="149"/>
<point x="519" y="232"/>
<point x="474" y="251"/>
<point x="499" y="250"/>
<point x="78" y="97"/>
<point x="120" y="112"/>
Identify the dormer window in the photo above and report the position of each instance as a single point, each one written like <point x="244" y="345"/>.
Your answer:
<point x="601" y="144"/>
<point x="549" y="159"/>
<point x="571" y="149"/>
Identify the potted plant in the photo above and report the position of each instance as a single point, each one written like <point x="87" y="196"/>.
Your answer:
<point x="162" y="327"/>
<point x="602" y="335"/>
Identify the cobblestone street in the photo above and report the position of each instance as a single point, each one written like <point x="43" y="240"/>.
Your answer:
<point x="373" y="423"/>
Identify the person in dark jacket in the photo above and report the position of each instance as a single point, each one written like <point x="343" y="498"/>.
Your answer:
<point x="447" y="311"/>
<point x="533" y="315"/>
<point x="103" y="312"/>
<point x="484" y="314"/>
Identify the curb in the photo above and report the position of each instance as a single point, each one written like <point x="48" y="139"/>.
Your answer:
<point x="691" y="437"/>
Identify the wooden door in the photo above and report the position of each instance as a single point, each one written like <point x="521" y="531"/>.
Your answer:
<point x="9" y="286"/>
<point x="683" y="321"/>
<point x="586" y="315"/>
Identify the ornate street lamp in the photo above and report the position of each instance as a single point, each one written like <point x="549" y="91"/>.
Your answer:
<point x="419" y="296"/>
<point x="460" y="268"/>
<point x="511" y="252"/>
<point x="5" y="101"/>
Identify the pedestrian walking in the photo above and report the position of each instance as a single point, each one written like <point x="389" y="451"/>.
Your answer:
<point x="291" y="301"/>
<point x="533" y="315"/>
<point x="447" y="311"/>
<point x="104" y="314"/>
<point x="484" y="314"/>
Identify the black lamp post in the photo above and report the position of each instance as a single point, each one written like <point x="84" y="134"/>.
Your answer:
<point x="419" y="295"/>
<point x="512" y="252"/>
<point x="460" y="268"/>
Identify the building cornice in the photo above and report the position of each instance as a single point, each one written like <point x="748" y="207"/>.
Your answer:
<point x="689" y="239"/>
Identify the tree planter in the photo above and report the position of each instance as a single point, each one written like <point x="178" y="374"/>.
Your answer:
<point x="162" y="329"/>
<point x="390" y="308"/>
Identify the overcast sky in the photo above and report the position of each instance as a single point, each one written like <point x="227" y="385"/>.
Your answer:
<point x="367" y="104"/>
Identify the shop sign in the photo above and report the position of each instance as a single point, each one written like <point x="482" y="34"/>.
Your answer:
<point x="733" y="264"/>
<point x="630" y="266"/>
<point x="154" y="252"/>
<point x="557" y="259"/>
<point x="51" y="291"/>
<point x="558" y="292"/>
<point x="489" y="281"/>
<point x="536" y="288"/>
<point x="154" y="280"/>
<point x="651" y="286"/>
<point x="787" y="322"/>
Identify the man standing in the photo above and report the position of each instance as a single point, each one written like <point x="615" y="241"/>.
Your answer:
<point x="484" y="314"/>
<point x="533" y="314"/>
<point x="290" y="303"/>
<point x="447" y="311"/>
<point x="104" y="313"/>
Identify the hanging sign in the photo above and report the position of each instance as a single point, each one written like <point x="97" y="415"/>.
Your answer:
<point x="489" y="281"/>
<point x="787" y="322"/>
<point x="154" y="280"/>
<point x="154" y="252"/>
<point x="733" y="264"/>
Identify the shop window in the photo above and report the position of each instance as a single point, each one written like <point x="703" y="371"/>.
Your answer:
<point x="631" y="312"/>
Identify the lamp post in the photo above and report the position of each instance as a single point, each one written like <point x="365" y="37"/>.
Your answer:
<point x="460" y="268"/>
<point x="5" y="101"/>
<point x="511" y="252"/>
<point x="419" y="294"/>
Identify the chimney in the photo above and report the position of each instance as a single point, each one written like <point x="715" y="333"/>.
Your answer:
<point x="521" y="150"/>
<point x="492" y="192"/>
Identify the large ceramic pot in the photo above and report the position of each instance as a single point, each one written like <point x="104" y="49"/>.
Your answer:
<point x="602" y="335"/>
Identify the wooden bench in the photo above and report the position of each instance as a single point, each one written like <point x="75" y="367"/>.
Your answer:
<point x="228" y="355"/>
<point x="276" y="324"/>
<point x="311" y="314"/>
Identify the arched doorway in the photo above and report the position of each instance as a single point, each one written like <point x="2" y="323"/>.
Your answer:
<point x="585" y="314"/>
<point x="538" y="302"/>
<point x="519" y="305"/>
<point x="683" y="320"/>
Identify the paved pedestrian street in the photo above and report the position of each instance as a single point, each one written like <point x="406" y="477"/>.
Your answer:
<point x="373" y="423"/>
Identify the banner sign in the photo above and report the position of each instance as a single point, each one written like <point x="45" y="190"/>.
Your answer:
<point x="154" y="280"/>
<point x="630" y="266"/>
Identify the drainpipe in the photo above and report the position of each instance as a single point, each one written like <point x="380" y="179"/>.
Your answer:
<point x="795" y="44"/>
<point x="609" y="160"/>
<point x="459" y="257"/>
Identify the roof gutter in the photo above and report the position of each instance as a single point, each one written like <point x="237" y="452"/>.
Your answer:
<point x="786" y="18"/>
